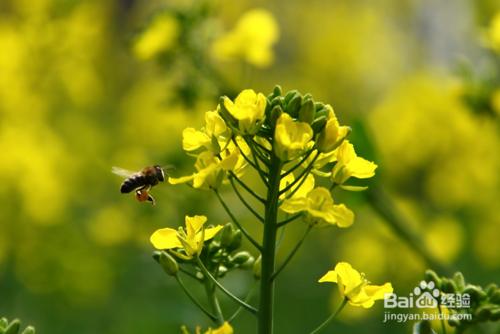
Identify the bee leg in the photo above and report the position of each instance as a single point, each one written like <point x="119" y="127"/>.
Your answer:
<point x="151" y="199"/>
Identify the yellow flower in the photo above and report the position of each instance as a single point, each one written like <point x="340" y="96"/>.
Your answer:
<point x="320" y="209"/>
<point x="291" y="138"/>
<point x="160" y="36"/>
<point x="349" y="164"/>
<point x="190" y="239"/>
<point x="353" y="285"/>
<point x="212" y="137"/>
<point x="333" y="134"/>
<point x="248" y="109"/>
<point x="224" y="329"/>
<point x="493" y="34"/>
<point x="251" y="40"/>
<point x="211" y="170"/>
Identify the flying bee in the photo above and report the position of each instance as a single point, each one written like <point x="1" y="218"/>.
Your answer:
<point x="141" y="182"/>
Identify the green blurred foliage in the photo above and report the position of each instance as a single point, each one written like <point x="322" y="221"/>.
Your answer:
<point x="76" y="98"/>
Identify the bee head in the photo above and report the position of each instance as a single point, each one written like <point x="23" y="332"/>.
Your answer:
<point x="160" y="173"/>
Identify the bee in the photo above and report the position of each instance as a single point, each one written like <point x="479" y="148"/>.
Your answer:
<point x="141" y="182"/>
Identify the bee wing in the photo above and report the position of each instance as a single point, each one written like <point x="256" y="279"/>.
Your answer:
<point x="168" y="168"/>
<point x="122" y="172"/>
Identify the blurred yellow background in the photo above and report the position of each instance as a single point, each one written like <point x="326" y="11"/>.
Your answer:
<point x="86" y="85"/>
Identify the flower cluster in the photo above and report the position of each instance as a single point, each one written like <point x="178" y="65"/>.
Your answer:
<point x="305" y="136"/>
<point x="299" y="151"/>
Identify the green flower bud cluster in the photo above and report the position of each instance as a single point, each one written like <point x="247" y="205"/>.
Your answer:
<point x="14" y="327"/>
<point x="300" y="107"/>
<point x="484" y="302"/>
<point x="222" y="252"/>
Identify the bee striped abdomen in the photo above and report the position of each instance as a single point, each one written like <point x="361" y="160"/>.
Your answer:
<point x="132" y="183"/>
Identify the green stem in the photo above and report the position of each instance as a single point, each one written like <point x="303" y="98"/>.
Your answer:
<point x="247" y="188"/>
<point x="197" y="303"/>
<point x="266" y="307"/>
<point x="255" y="164"/>
<point x="214" y="302"/>
<point x="291" y="170"/>
<point x="300" y="179"/>
<point x="207" y="274"/>
<point x="190" y="274"/>
<point x="289" y="220"/>
<point x="242" y="199"/>
<point x="330" y="318"/>
<point x="292" y="253"/>
<point x="247" y="299"/>
<point x="236" y="222"/>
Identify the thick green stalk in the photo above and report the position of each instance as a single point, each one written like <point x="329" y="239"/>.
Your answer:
<point x="266" y="307"/>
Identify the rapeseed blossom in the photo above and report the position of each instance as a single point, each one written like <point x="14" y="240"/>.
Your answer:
<point x="248" y="109"/>
<point x="190" y="238"/>
<point x="320" y="209"/>
<point x="292" y="138"/>
<point x="354" y="286"/>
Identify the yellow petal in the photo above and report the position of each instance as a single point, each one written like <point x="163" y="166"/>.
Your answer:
<point x="212" y="231"/>
<point x="330" y="276"/>
<point x="224" y="329"/>
<point x="214" y="124"/>
<point x="361" y="168"/>
<point x="294" y="205"/>
<point x="194" y="224"/>
<point x="179" y="180"/>
<point x="193" y="139"/>
<point x="344" y="217"/>
<point x="350" y="277"/>
<point x="165" y="238"/>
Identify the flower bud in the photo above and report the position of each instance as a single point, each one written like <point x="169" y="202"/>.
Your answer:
<point x="318" y="106"/>
<point x="495" y="314"/>
<point x="277" y="91"/>
<point x="459" y="280"/>
<point x="240" y="257"/>
<point x="495" y="297"/>
<point x="236" y="242"/>
<point x="278" y="101"/>
<point x="168" y="264"/>
<point x="431" y="276"/>
<point x="490" y="289"/>
<point x="290" y="95"/>
<point x="306" y="112"/>
<point x="448" y="286"/>
<point x="475" y="292"/>
<point x="257" y="267"/>
<point x="319" y="124"/>
<point x="3" y="323"/>
<point x="13" y="327"/>
<point x="293" y="107"/>
<point x="226" y="235"/>
<point x="222" y="271"/>
<point x="275" y="114"/>
<point x="29" y="330"/>
<point x="226" y="116"/>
